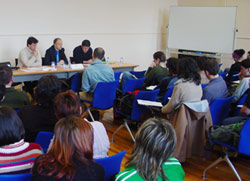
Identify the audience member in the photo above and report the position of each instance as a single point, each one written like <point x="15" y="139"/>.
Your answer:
<point x="55" y="53"/>
<point x="248" y="55"/>
<point x="95" y="73"/>
<point x="200" y="62"/>
<point x="2" y="92"/>
<point x="66" y="104"/>
<point x="41" y="117"/>
<point x="235" y="68"/>
<point x="15" y="155"/>
<point x="217" y="87"/>
<point x="13" y="98"/>
<point x="83" y="53"/>
<point x="168" y="82"/>
<point x="156" y="72"/>
<point x="70" y="156"/>
<point x="187" y="88"/>
<point x="151" y="155"/>
<point x="245" y="77"/>
<point x="29" y="56"/>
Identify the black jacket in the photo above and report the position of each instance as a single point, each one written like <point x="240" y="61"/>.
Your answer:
<point x="50" y="56"/>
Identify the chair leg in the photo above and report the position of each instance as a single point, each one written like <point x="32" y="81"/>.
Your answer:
<point x="90" y="114"/>
<point x="126" y="124"/>
<point x="232" y="167"/>
<point x="116" y="131"/>
<point x="222" y="158"/>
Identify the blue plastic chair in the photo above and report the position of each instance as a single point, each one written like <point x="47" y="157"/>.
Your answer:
<point x="133" y="84"/>
<point x="240" y="104"/>
<point x="203" y="86"/>
<point x="137" y="110"/>
<point x="104" y="96"/>
<point x="111" y="164"/>
<point x="138" y="74"/>
<point x="43" y="138"/>
<point x="76" y="83"/>
<point x="219" y="109"/>
<point x="117" y="75"/>
<point x="243" y="147"/>
<point x="235" y="77"/>
<point x="223" y="75"/>
<point x="16" y="177"/>
<point x="168" y="95"/>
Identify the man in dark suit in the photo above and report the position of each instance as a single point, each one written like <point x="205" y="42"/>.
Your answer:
<point x="55" y="54"/>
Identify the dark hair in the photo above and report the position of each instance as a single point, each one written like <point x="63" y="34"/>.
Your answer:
<point x="73" y="140"/>
<point x="2" y="91"/>
<point x="55" y="40"/>
<point x="238" y="53"/>
<point x="211" y="66"/>
<point x="245" y="63"/>
<point x="5" y="74"/>
<point x="248" y="52"/>
<point x="47" y="88"/>
<point x="155" y="142"/>
<point x="99" y="53"/>
<point x="66" y="104"/>
<point x="11" y="127"/>
<point x="31" y="40"/>
<point x="200" y="62"/>
<point x="188" y="70"/>
<point x="160" y="55"/>
<point x="172" y="65"/>
<point x="86" y="43"/>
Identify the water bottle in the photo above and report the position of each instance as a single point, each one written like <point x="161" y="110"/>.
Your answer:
<point x="70" y="67"/>
<point x="121" y="60"/>
<point x="53" y="65"/>
<point x="107" y="60"/>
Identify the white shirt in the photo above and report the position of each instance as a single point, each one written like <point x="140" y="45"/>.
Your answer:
<point x="27" y="59"/>
<point x="101" y="140"/>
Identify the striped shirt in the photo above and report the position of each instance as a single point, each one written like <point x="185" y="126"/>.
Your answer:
<point x="18" y="156"/>
<point x="172" y="169"/>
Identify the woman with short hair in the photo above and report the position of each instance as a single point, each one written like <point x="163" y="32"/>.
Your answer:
<point x="16" y="156"/>
<point x="66" y="104"/>
<point x="151" y="158"/>
<point x="70" y="156"/>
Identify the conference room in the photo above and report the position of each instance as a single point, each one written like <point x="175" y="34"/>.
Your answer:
<point x="131" y="40"/>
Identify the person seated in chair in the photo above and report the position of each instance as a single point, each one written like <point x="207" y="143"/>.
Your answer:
<point x="83" y="53"/>
<point x="13" y="98"/>
<point x="55" y="53"/>
<point x="66" y="104"/>
<point x="187" y="88"/>
<point x="244" y="80"/>
<point x="156" y="72"/>
<point x="41" y="117"/>
<point x="217" y="87"/>
<point x="95" y="73"/>
<point x="151" y="157"/>
<point x="16" y="155"/>
<point x="168" y="82"/>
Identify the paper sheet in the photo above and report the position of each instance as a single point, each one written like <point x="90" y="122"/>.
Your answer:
<point x="149" y="103"/>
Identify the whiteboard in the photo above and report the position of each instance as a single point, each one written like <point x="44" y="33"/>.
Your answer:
<point x="208" y="29"/>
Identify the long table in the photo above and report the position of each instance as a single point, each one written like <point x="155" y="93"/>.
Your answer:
<point x="35" y="73"/>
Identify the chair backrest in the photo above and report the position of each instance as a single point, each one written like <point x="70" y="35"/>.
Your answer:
<point x="168" y="95"/>
<point x="133" y="84"/>
<point x="203" y="86"/>
<point x="138" y="74"/>
<point x="43" y="138"/>
<point x="104" y="95"/>
<point x="240" y="103"/>
<point x="43" y="60"/>
<point x="117" y="75"/>
<point x="223" y="75"/>
<point x="219" y="109"/>
<point x="16" y="177"/>
<point x="138" y="110"/>
<point x="244" y="143"/>
<point x="111" y="164"/>
<point x="235" y="77"/>
<point x="76" y="82"/>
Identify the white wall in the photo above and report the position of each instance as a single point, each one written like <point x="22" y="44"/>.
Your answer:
<point x="130" y="29"/>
